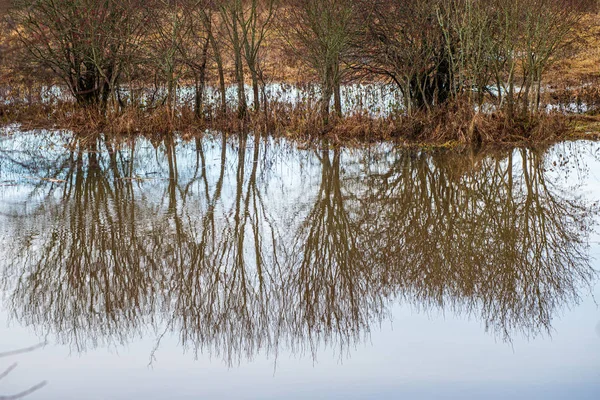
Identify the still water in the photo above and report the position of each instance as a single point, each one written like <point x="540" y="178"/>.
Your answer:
<point x="245" y="267"/>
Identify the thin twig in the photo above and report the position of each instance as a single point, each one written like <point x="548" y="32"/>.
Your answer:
<point x="25" y="393"/>
<point x="8" y="371"/>
<point x="21" y="351"/>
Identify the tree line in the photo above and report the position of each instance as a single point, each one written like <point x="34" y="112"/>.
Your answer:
<point x="435" y="52"/>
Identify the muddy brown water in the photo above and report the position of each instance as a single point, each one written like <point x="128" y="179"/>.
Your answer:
<point x="250" y="268"/>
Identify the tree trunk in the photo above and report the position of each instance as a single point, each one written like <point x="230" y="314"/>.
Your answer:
<point x="221" y="73"/>
<point x="256" y="92"/>
<point x="239" y="68"/>
<point x="325" y="101"/>
<point x="337" y="100"/>
<point x="201" y="81"/>
<point x="337" y="96"/>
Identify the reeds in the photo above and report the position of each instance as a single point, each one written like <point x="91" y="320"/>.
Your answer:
<point x="455" y="123"/>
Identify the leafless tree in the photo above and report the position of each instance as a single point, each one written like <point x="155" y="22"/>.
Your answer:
<point x="85" y="43"/>
<point x="320" y="34"/>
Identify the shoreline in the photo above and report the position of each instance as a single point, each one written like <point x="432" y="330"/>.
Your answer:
<point x="447" y="128"/>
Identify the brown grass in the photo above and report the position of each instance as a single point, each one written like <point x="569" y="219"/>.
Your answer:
<point x="582" y="60"/>
<point x="453" y="124"/>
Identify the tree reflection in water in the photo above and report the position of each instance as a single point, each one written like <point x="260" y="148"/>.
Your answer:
<point x="245" y="244"/>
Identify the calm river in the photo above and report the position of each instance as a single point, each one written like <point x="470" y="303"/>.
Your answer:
<point x="250" y="268"/>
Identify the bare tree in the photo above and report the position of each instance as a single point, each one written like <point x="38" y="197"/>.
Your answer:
<point x="230" y="11"/>
<point x="404" y="42"/>
<point x="255" y="21"/>
<point x="84" y="42"/>
<point x="320" y="34"/>
<point x="197" y="54"/>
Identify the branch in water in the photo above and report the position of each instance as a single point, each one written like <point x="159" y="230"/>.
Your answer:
<point x="21" y="351"/>
<point x="12" y="368"/>
<point x="25" y="393"/>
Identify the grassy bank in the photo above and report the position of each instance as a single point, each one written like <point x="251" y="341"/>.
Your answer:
<point x="456" y="124"/>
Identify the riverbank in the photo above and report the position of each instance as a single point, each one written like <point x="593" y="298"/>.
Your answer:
<point x="187" y="68"/>
<point x="450" y="126"/>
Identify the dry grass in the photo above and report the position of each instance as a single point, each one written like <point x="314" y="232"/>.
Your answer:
<point x="581" y="64"/>
<point x="583" y="126"/>
<point x="456" y="123"/>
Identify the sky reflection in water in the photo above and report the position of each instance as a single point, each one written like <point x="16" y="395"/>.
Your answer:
<point x="373" y="273"/>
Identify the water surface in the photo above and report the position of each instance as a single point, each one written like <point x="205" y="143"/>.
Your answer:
<point x="247" y="267"/>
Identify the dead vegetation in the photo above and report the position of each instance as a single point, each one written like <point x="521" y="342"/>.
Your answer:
<point x="465" y="71"/>
<point x="453" y="125"/>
